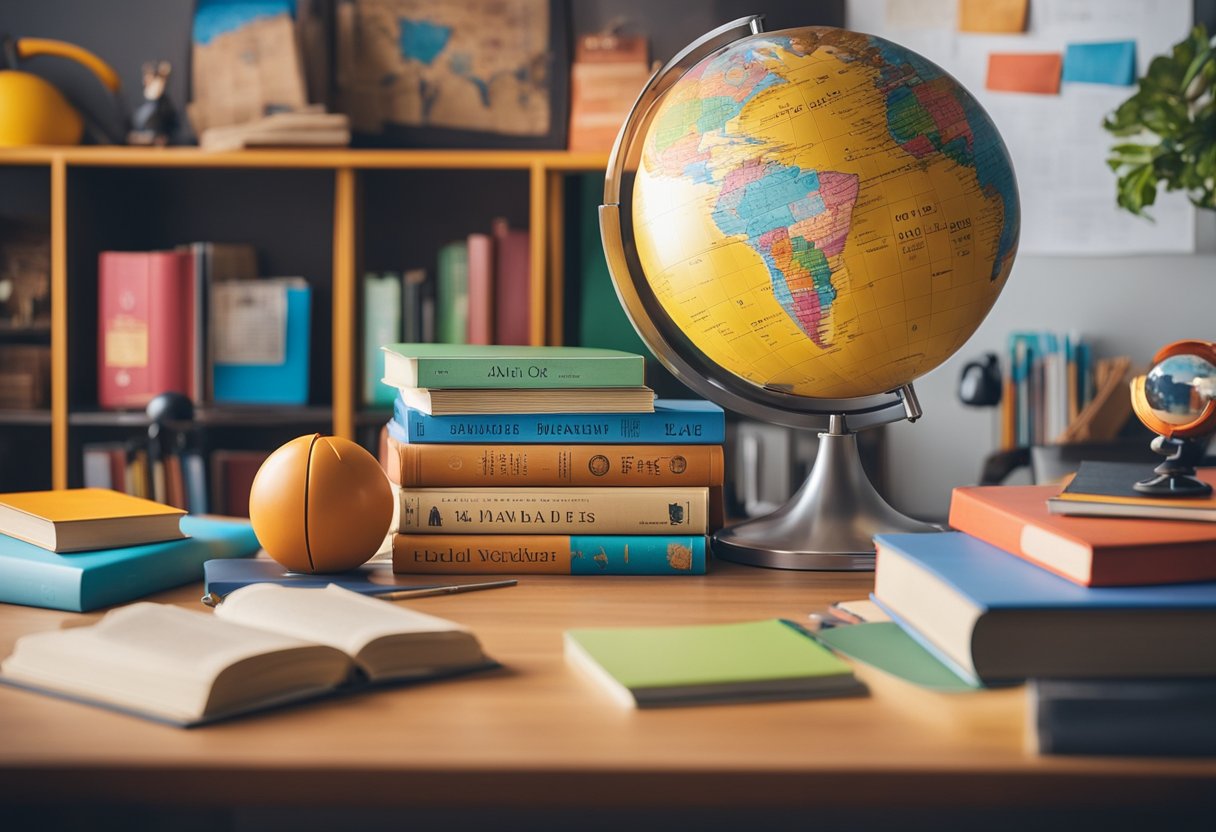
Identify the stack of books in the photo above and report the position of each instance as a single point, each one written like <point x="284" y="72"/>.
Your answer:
<point x="85" y="548"/>
<point x="1020" y="593"/>
<point x="546" y="460"/>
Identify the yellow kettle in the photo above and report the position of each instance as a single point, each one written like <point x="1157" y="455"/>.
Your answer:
<point x="32" y="111"/>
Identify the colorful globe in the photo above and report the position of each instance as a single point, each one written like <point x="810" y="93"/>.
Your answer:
<point x="823" y="213"/>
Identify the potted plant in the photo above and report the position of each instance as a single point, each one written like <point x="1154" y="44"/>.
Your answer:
<point x="1172" y="117"/>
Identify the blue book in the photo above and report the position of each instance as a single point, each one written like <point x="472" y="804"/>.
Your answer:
<point x="84" y="581"/>
<point x="994" y="618"/>
<point x="679" y="421"/>
<point x="285" y="383"/>
<point x="224" y="576"/>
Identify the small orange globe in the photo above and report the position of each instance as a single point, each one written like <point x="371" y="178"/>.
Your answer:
<point x="320" y="504"/>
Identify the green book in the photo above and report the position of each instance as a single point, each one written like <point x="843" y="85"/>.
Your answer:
<point x="753" y="661"/>
<point x="441" y="366"/>
<point x="452" y="294"/>
<point x="381" y="325"/>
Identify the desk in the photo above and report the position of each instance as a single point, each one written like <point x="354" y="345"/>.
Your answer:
<point x="539" y="736"/>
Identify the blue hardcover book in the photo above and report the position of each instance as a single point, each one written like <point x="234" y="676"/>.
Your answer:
<point x="995" y="618"/>
<point x="685" y="421"/>
<point x="84" y="581"/>
<point x="224" y="576"/>
<point x="284" y="383"/>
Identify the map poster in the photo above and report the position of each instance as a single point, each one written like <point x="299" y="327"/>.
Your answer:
<point x="488" y="73"/>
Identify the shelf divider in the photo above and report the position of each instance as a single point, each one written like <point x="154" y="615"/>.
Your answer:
<point x="59" y="323"/>
<point x="345" y="285"/>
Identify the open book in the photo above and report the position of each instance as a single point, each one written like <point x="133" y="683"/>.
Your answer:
<point x="270" y="645"/>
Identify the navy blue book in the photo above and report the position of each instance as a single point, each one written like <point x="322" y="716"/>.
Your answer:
<point x="223" y="576"/>
<point x="84" y="581"/>
<point x="680" y="421"/>
<point x="995" y="618"/>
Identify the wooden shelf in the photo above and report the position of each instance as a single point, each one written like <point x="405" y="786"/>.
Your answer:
<point x="71" y="169"/>
<point x="322" y="158"/>
<point x="25" y="417"/>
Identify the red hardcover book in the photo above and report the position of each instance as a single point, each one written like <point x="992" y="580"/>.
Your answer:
<point x="232" y="474"/>
<point x="1093" y="551"/>
<point x="145" y="326"/>
<point x="512" y="290"/>
<point x="481" y="289"/>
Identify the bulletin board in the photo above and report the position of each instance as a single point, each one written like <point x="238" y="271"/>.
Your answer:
<point x="1048" y="87"/>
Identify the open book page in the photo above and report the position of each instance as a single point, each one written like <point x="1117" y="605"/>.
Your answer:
<point x="144" y="657"/>
<point x="332" y="615"/>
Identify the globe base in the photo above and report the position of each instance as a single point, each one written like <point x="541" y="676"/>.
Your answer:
<point x="828" y="525"/>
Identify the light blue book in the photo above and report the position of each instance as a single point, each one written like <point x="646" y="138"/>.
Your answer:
<point x="674" y="421"/>
<point x="994" y="618"/>
<point x="36" y="577"/>
<point x="285" y="383"/>
<point x="381" y="325"/>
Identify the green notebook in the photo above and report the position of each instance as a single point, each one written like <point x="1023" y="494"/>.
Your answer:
<point x="748" y="662"/>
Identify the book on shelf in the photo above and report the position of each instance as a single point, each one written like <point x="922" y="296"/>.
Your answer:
<point x="549" y="554"/>
<point x="87" y="580"/>
<point x="452" y="293"/>
<point x="260" y="334"/>
<point x="80" y="519"/>
<point x="381" y="325"/>
<point x="1123" y="717"/>
<point x="25" y="376"/>
<point x="561" y="510"/>
<point x="1088" y="550"/>
<point x="264" y="646"/>
<point x="416" y="304"/>
<point x="753" y="661"/>
<point x="446" y="466"/>
<point x="104" y="465"/>
<point x="472" y="402"/>
<point x="995" y="618"/>
<point x="684" y="421"/>
<point x="212" y="263"/>
<point x="145" y="326"/>
<point x="1105" y="489"/>
<point x="512" y="284"/>
<point x="232" y="473"/>
<point x="450" y="366"/>
<point x="481" y="289"/>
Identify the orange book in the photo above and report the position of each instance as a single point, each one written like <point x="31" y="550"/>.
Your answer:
<point x="81" y="519"/>
<point x="1093" y="551"/>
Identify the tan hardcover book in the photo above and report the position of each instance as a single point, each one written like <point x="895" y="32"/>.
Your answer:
<point x="553" y="510"/>
<point x="452" y="402"/>
<point x="81" y="519"/>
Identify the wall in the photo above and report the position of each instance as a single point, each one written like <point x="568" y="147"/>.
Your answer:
<point x="1126" y="306"/>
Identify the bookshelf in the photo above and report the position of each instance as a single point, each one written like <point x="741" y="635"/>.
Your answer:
<point x="125" y="197"/>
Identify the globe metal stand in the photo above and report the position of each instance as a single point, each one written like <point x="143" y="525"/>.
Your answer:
<point x="829" y="524"/>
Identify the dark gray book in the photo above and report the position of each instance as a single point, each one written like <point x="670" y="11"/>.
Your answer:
<point x="1143" y="717"/>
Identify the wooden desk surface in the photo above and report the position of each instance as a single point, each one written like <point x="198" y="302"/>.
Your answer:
<point x="539" y="735"/>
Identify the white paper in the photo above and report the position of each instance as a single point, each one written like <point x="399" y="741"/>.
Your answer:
<point x="1057" y="143"/>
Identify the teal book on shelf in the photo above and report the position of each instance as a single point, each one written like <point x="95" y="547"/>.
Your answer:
<point x="452" y="294"/>
<point x="261" y="331"/>
<point x="84" y="581"/>
<point x="381" y="325"/>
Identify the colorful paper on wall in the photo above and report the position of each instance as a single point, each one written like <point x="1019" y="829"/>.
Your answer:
<point x="1037" y="72"/>
<point x="1111" y="63"/>
<point x="1004" y="16"/>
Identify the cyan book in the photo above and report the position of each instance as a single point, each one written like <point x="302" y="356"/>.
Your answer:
<point x="257" y="382"/>
<point x="507" y="554"/>
<point x="85" y="581"/>
<point x="682" y="421"/>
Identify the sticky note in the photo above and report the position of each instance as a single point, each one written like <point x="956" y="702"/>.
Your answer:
<point x="1037" y="72"/>
<point x="1006" y="16"/>
<point x="1101" y="63"/>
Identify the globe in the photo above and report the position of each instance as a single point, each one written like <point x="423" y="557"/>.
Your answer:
<point x="799" y="224"/>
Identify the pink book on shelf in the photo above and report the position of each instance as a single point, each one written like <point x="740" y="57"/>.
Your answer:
<point x="512" y="290"/>
<point x="481" y="289"/>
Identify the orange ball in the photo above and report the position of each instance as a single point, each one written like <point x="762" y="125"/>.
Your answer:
<point x="320" y="504"/>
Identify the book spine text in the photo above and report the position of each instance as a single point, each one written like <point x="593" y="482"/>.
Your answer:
<point x="550" y="554"/>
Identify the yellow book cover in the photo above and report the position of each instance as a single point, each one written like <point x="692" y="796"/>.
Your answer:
<point x="81" y="519"/>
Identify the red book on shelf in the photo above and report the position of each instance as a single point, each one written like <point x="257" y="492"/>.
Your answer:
<point x="1094" y="551"/>
<point x="145" y="326"/>
<point x="481" y="289"/>
<point x="512" y="290"/>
